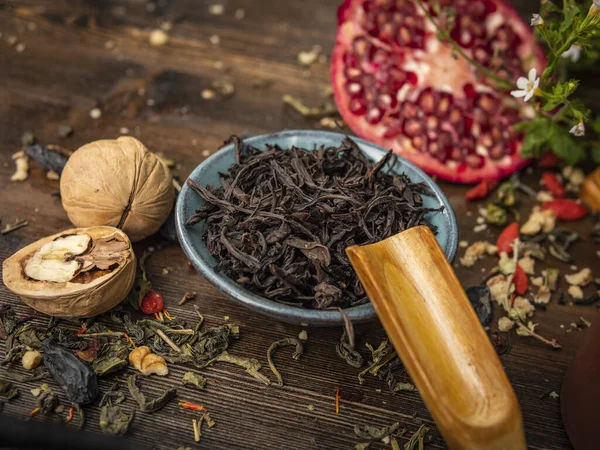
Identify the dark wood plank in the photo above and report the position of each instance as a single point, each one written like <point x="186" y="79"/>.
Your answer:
<point x="67" y="69"/>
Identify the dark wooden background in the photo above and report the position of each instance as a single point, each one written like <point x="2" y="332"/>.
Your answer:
<point x="79" y="55"/>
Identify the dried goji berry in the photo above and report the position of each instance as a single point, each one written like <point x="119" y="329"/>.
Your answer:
<point x="566" y="209"/>
<point x="507" y="237"/>
<point x="520" y="280"/>
<point x="152" y="303"/>
<point x="548" y="160"/>
<point x="553" y="184"/>
<point x="482" y="190"/>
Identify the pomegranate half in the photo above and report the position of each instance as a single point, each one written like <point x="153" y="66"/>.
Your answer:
<point x="396" y="84"/>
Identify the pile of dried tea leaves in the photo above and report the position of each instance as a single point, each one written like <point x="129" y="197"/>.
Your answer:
<point x="281" y="220"/>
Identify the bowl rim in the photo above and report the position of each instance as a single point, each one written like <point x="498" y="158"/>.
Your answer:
<point x="282" y="312"/>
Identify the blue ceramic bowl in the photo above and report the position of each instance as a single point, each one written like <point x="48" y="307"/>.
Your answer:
<point x="207" y="173"/>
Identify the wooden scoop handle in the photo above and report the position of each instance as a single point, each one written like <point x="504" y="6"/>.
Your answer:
<point x="434" y="329"/>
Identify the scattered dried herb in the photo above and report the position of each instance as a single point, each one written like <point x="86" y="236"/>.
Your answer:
<point x="48" y="400"/>
<point x="362" y="446"/>
<point x="192" y="379"/>
<point x="142" y="284"/>
<point x="9" y="228"/>
<point x="149" y="406"/>
<point x="375" y="433"/>
<point x="8" y="391"/>
<point x="345" y="347"/>
<point x="75" y="377"/>
<point x="251" y="365"/>
<point x="281" y="220"/>
<point x="113" y="396"/>
<point x="8" y="321"/>
<point x="381" y="356"/>
<point x="111" y="358"/>
<point x="283" y="343"/>
<point x="417" y="438"/>
<point x="113" y="421"/>
<point x="14" y="354"/>
<point x="36" y="374"/>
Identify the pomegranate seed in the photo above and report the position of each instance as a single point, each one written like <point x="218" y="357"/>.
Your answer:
<point x="455" y="116"/>
<point x="404" y="36"/>
<point x="381" y="19"/>
<point x="475" y="161"/>
<point x="393" y="130"/>
<point x="412" y="127"/>
<point x="511" y="147"/>
<point x="410" y="21"/>
<point x="387" y="101"/>
<point x="444" y="102"/>
<point x="388" y="32"/>
<point x="497" y="152"/>
<point x="397" y="18"/>
<point x="409" y="110"/>
<point x="486" y="140"/>
<point x="455" y="154"/>
<point x="357" y="106"/>
<point x="412" y="78"/>
<point x="354" y="89"/>
<point x="418" y="142"/>
<point x="374" y="116"/>
<point x="469" y="90"/>
<point x="352" y="73"/>
<point x="432" y="123"/>
<point x="380" y="56"/>
<point x="427" y="101"/>
<point x="476" y="10"/>
<point x="487" y="103"/>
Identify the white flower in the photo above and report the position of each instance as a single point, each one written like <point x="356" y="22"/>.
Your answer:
<point x="574" y="52"/>
<point x="536" y="20"/>
<point x="526" y="86"/>
<point x="579" y="129"/>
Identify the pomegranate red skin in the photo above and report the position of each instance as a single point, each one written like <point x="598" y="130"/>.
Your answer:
<point x="372" y="130"/>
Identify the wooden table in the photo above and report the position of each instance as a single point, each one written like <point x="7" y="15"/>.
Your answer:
<point x="77" y="57"/>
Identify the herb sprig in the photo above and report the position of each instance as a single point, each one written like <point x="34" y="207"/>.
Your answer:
<point x="559" y="124"/>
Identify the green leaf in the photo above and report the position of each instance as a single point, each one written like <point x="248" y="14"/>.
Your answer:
<point x="596" y="153"/>
<point x="564" y="146"/>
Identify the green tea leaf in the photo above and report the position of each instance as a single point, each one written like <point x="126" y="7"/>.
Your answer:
<point x="192" y="379"/>
<point x="149" y="406"/>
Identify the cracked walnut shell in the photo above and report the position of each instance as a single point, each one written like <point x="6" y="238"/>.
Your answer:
<point x="117" y="182"/>
<point x="81" y="272"/>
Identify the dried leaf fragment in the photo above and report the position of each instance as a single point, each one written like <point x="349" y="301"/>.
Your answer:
<point x="575" y="292"/>
<point x="581" y="278"/>
<point x="539" y="221"/>
<point x="22" y="170"/>
<point x="505" y="324"/>
<point x="477" y="251"/>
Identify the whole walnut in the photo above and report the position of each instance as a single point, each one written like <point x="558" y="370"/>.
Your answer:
<point x="117" y="182"/>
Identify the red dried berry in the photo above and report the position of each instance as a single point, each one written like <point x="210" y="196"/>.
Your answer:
<point x="548" y="160"/>
<point x="566" y="209"/>
<point x="507" y="237"/>
<point x="482" y="190"/>
<point x="554" y="185"/>
<point x="152" y="303"/>
<point x="520" y="280"/>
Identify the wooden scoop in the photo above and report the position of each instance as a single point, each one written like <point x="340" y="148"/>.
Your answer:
<point x="434" y="329"/>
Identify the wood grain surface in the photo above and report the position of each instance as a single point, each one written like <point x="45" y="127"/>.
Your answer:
<point x="79" y="55"/>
